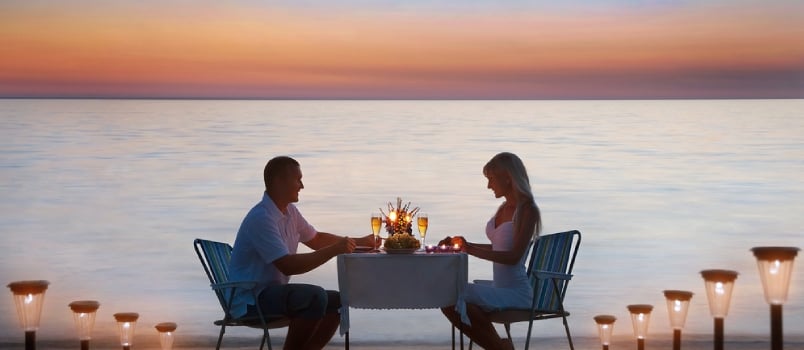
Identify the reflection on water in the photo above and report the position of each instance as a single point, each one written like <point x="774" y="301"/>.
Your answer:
<point x="103" y="198"/>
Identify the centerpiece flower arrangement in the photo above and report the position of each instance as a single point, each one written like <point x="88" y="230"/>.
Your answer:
<point x="398" y="225"/>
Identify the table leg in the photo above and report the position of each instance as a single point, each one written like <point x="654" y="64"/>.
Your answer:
<point x="453" y="337"/>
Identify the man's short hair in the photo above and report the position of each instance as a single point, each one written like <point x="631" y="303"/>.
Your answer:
<point x="276" y="167"/>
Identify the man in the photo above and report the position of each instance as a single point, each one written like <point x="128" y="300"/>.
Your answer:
<point x="265" y="251"/>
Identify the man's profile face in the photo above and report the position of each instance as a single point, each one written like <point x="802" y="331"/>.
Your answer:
<point x="291" y="183"/>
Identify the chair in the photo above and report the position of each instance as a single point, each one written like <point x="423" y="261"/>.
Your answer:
<point x="550" y="269"/>
<point x="215" y="256"/>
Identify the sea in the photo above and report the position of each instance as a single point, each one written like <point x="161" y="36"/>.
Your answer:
<point x="103" y="199"/>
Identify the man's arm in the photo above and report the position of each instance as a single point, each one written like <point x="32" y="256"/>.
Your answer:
<point x="325" y="246"/>
<point x="323" y="239"/>
<point x="295" y="264"/>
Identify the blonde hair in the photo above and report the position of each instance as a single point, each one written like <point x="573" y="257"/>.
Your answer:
<point x="510" y="163"/>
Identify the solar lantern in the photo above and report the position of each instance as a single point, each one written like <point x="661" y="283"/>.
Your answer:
<point x="775" y="269"/>
<point x="605" y="326"/>
<point x="678" y="303"/>
<point x="166" y="335"/>
<point x="640" y="316"/>
<point x="719" y="285"/>
<point x="126" y="321"/>
<point x="28" y="298"/>
<point x="84" y="315"/>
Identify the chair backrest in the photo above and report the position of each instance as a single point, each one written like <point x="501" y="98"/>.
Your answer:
<point x="215" y="256"/>
<point x="552" y="253"/>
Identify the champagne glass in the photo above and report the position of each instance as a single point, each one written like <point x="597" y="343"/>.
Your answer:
<point x="422" y="220"/>
<point x="376" y="224"/>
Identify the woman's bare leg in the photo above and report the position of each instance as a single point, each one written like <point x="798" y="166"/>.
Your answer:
<point x="481" y="331"/>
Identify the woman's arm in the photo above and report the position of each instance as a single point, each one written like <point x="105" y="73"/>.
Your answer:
<point x="523" y="232"/>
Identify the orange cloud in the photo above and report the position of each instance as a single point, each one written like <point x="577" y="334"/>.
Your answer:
<point x="263" y="52"/>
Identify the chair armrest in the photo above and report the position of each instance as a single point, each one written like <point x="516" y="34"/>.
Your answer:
<point x="483" y="282"/>
<point x="239" y="284"/>
<point x="548" y="274"/>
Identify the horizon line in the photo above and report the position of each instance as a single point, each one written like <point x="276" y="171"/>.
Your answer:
<point x="189" y="98"/>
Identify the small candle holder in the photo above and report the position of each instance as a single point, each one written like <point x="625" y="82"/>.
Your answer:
<point x="430" y="248"/>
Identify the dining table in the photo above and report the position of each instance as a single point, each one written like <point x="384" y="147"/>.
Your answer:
<point x="415" y="280"/>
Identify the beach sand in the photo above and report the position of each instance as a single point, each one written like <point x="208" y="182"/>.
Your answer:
<point x="689" y="342"/>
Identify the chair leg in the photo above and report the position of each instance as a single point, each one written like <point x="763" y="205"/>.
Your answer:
<point x="346" y="342"/>
<point x="220" y="337"/>
<point x="460" y="337"/>
<point x="266" y="338"/>
<point x="530" y="328"/>
<point x="569" y="337"/>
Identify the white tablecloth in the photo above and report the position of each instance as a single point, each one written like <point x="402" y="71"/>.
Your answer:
<point x="401" y="281"/>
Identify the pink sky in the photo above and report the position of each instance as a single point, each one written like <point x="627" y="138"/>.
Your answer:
<point x="256" y="49"/>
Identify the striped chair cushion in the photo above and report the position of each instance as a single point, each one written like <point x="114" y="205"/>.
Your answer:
<point x="551" y="253"/>
<point x="216" y="258"/>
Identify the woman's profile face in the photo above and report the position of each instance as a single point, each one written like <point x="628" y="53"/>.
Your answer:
<point x="498" y="182"/>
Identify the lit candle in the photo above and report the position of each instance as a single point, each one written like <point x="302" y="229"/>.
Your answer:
<point x="456" y="247"/>
<point x="392" y="216"/>
<point x="442" y="248"/>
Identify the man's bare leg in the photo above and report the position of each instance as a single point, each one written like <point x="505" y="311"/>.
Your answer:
<point x="326" y="329"/>
<point x="299" y="332"/>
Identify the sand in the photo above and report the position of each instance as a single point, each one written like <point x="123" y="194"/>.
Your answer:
<point x="689" y="342"/>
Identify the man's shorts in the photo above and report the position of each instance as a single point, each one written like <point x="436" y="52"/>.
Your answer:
<point x="297" y="300"/>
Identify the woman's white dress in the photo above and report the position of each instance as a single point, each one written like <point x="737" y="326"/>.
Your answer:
<point x="510" y="287"/>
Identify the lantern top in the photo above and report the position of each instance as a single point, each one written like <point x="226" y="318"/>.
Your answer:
<point x="681" y="295"/>
<point x="719" y="275"/>
<point x="775" y="253"/>
<point x="126" y="316"/>
<point x="84" y="306"/>
<point x="28" y="287"/>
<point x="605" y="319"/>
<point x="640" y="308"/>
<point x="166" y="327"/>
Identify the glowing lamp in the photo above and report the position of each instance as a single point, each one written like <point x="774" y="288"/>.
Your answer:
<point x="84" y="315"/>
<point x="166" y="330"/>
<point x="640" y="316"/>
<point x="678" y="302"/>
<point x="775" y="268"/>
<point x="719" y="285"/>
<point x="28" y="298"/>
<point x="605" y="326"/>
<point x="126" y="321"/>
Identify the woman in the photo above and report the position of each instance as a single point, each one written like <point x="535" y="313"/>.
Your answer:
<point x="516" y="222"/>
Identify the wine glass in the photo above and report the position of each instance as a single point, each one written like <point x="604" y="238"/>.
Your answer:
<point x="376" y="224"/>
<point x="422" y="222"/>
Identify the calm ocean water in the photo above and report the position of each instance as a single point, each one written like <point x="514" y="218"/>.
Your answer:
<point x="104" y="197"/>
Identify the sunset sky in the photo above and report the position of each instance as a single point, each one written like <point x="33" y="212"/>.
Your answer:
<point x="414" y="49"/>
